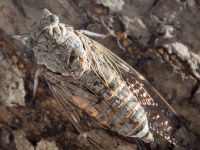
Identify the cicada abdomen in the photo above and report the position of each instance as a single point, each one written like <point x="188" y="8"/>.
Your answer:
<point x="115" y="106"/>
<point x="127" y="96"/>
<point x="84" y="74"/>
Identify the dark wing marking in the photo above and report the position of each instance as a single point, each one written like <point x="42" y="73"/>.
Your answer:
<point x="162" y="117"/>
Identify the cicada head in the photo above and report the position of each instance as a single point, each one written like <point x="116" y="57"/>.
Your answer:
<point x="49" y="19"/>
<point x="30" y="39"/>
<point x="56" y="46"/>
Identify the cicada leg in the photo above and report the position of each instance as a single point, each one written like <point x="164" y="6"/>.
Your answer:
<point x="92" y="34"/>
<point x="102" y="36"/>
<point x="36" y="78"/>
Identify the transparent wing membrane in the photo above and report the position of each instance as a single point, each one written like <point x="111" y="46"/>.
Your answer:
<point x="162" y="117"/>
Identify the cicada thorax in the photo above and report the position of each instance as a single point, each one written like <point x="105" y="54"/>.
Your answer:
<point x="115" y="105"/>
<point x="60" y="50"/>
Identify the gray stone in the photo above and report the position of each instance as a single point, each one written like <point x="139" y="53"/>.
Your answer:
<point x="174" y="85"/>
<point x="112" y="4"/>
<point x="166" y="30"/>
<point x="21" y="141"/>
<point x="46" y="145"/>
<point x="12" y="85"/>
<point x="136" y="27"/>
<point x="6" y="138"/>
<point x="178" y="49"/>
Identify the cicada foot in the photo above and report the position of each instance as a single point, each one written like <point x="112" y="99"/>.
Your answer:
<point x="85" y="140"/>
<point x="31" y="93"/>
<point x="36" y="78"/>
<point x="82" y="138"/>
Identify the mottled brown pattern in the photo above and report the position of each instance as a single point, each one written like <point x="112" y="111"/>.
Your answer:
<point x="89" y="61"/>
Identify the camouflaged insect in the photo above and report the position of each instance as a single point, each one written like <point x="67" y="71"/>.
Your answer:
<point x="84" y="74"/>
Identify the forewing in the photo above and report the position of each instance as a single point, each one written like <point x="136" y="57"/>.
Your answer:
<point x="69" y="95"/>
<point x="161" y="116"/>
<point x="68" y="107"/>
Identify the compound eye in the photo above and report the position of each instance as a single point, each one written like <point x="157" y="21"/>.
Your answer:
<point x="53" y="18"/>
<point x="71" y="58"/>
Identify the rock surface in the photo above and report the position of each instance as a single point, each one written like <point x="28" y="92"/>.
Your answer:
<point x="46" y="145"/>
<point x="12" y="85"/>
<point x="159" y="38"/>
<point x="21" y="141"/>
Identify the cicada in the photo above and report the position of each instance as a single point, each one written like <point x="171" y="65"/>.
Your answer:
<point x="85" y="75"/>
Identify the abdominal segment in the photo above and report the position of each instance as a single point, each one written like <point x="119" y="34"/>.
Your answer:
<point x="116" y="107"/>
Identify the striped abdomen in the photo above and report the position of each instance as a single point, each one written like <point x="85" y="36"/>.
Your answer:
<point x="117" y="107"/>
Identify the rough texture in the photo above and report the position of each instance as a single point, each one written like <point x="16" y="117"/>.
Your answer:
<point x="21" y="141"/>
<point x="112" y="4"/>
<point x="12" y="85"/>
<point x="159" y="38"/>
<point x="46" y="145"/>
